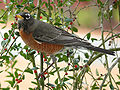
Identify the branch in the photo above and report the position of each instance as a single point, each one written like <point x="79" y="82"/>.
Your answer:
<point x="110" y="69"/>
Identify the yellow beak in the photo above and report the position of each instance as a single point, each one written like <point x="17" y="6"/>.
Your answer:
<point x="19" y="16"/>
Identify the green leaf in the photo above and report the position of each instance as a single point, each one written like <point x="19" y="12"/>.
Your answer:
<point x="97" y="73"/>
<point x="29" y="70"/>
<point x="86" y="55"/>
<point x="6" y="58"/>
<point x="71" y="77"/>
<point x="2" y="22"/>
<point x="17" y="87"/>
<point x="88" y="36"/>
<point x="14" y="63"/>
<point x="49" y="84"/>
<point x="34" y="82"/>
<point x="118" y="82"/>
<point x="1" y="71"/>
<point x="74" y="29"/>
<point x="6" y="35"/>
<point x="111" y="86"/>
<point x="10" y="82"/>
<point x="93" y="39"/>
<point x="19" y="6"/>
<point x="118" y="76"/>
<point x="56" y="81"/>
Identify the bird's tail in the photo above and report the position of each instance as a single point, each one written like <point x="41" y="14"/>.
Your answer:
<point x="91" y="47"/>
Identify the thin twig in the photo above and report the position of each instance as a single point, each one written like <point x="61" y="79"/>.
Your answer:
<point x="110" y="69"/>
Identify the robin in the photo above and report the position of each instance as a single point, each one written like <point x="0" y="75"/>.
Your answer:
<point x="48" y="38"/>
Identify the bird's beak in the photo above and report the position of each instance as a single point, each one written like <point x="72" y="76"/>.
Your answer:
<point x="19" y="16"/>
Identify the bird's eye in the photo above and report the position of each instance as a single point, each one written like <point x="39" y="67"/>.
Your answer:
<point x="27" y="16"/>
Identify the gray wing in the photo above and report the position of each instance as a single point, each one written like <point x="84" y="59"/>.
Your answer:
<point x="45" y="32"/>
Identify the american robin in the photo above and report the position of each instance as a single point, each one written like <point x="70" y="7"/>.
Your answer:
<point x="48" y="38"/>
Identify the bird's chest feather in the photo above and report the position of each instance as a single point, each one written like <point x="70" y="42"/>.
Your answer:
<point x="43" y="47"/>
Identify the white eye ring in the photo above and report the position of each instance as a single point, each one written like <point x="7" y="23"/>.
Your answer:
<point x="28" y="16"/>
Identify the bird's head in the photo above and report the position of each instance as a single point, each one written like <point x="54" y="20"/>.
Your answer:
<point x="24" y="16"/>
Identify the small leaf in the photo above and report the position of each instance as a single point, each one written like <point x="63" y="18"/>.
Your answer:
<point x="49" y="84"/>
<point x="88" y="36"/>
<point x="6" y="35"/>
<point x="118" y="82"/>
<point x="74" y="29"/>
<point x="14" y="63"/>
<point x="29" y="70"/>
<point x="56" y="81"/>
<point x="86" y="55"/>
<point x="93" y="39"/>
<point x="2" y="22"/>
<point x="97" y="73"/>
<point x="71" y="77"/>
<point x="34" y="82"/>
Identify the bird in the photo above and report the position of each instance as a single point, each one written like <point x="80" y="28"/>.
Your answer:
<point x="47" y="38"/>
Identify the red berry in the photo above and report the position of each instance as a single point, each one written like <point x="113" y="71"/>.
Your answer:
<point x="11" y="23"/>
<point x="81" y="67"/>
<point x="71" y="23"/>
<point x="35" y="71"/>
<point x="68" y="27"/>
<point x="16" y="79"/>
<point x="61" y="1"/>
<point x="4" y="38"/>
<point x="19" y="74"/>
<point x="5" y="49"/>
<point x="66" y="73"/>
<point x="43" y="56"/>
<point x="15" y="23"/>
<point x="47" y="54"/>
<point x="26" y="50"/>
<point x="45" y="59"/>
<point x="37" y="51"/>
<point x="52" y="87"/>
<point x="16" y="18"/>
<point x="41" y="76"/>
<point x="45" y="73"/>
<point x="73" y="19"/>
<point x="115" y="0"/>
<point x="40" y="17"/>
<point x="76" y="66"/>
<point x="19" y="81"/>
<point x="14" y="37"/>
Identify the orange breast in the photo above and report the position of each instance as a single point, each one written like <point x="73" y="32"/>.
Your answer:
<point x="42" y="47"/>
